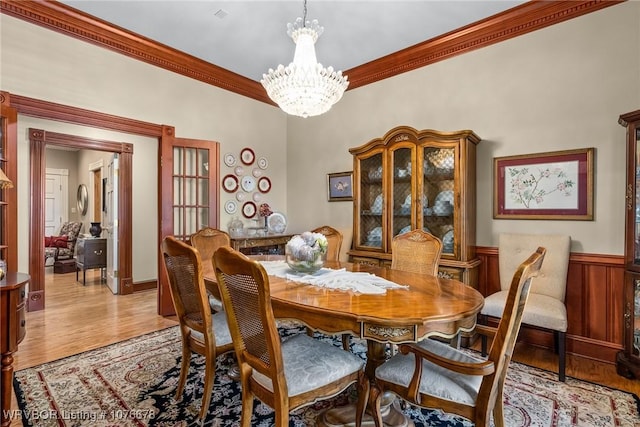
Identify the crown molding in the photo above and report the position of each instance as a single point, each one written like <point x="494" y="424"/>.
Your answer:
<point x="523" y="19"/>
<point x="511" y="23"/>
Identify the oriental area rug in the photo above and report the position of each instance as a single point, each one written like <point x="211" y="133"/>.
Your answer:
<point x="133" y="383"/>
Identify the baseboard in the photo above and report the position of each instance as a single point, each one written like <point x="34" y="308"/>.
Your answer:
<point x="145" y="286"/>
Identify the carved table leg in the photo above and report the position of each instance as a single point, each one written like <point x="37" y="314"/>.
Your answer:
<point x="392" y="416"/>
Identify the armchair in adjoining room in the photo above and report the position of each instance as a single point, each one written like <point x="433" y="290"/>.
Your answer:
<point x="62" y="246"/>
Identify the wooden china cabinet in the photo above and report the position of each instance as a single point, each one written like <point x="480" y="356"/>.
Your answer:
<point x="417" y="179"/>
<point x="628" y="360"/>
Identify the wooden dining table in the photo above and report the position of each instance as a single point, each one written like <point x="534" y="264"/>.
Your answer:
<point x="427" y="306"/>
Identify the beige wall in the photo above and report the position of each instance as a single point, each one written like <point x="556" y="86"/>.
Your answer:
<point x="46" y="65"/>
<point x="559" y="88"/>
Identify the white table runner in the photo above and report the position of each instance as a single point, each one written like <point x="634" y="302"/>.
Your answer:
<point x="357" y="281"/>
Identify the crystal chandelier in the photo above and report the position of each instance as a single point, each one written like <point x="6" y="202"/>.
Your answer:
<point x="304" y="88"/>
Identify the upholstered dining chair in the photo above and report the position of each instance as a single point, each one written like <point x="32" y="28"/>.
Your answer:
<point x="546" y="308"/>
<point x="202" y="332"/>
<point x="416" y="251"/>
<point x="334" y="240"/>
<point x="435" y="375"/>
<point x="284" y="374"/>
<point x="207" y="240"/>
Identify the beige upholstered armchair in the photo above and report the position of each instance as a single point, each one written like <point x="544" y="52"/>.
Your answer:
<point x="546" y="306"/>
<point x="68" y="235"/>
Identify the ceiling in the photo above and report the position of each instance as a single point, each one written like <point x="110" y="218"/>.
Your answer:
<point x="249" y="37"/>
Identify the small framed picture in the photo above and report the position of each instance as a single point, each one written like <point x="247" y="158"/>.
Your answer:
<point x="340" y="186"/>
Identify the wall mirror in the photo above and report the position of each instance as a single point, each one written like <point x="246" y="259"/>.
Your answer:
<point x="83" y="199"/>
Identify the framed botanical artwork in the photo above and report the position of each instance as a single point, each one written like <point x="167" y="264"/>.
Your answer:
<point x="340" y="186"/>
<point x="553" y="185"/>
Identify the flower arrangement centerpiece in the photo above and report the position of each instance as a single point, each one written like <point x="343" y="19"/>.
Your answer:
<point x="307" y="252"/>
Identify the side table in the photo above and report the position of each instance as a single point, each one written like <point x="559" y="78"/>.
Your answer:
<point x="13" y="295"/>
<point x="91" y="252"/>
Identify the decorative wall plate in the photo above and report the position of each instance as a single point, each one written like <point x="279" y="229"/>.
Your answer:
<point x="230" y="207"/>
<point x="264" y="184"/>
<point x="241" y="195"/>
<point x="256" y="173"/>
<point x="239" y="170"/>
<point x="247" y="156"/>
<point x="230" y="183"/>
<point x="256" y="197"/>
<point x="249" y="209"/>
<point x="248" y="183"/>
<point x="263" y="163"/>
<point x="277" y="223"/>
<point x="229" y="159"/>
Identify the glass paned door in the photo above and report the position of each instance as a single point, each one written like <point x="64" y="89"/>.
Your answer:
<point x="191" y="189"/>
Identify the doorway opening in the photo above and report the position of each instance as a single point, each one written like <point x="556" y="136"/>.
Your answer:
<point x="39" y="139"/>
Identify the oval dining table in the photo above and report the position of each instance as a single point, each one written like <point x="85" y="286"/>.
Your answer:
<point x="428" y="306"/>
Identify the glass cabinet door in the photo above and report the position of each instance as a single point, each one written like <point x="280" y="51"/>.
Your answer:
<point x="635" y="326"/>
<point x="439" y="201"/>
<point x="636" y="207"/>
<point x="402" y="219"/>
<point x="371" y="200"/>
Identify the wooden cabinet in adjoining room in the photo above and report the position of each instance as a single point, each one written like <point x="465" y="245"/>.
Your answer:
<point x="411" y="179"/>
<point x="628" y="360"/>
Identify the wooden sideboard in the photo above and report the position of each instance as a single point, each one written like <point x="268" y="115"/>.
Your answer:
<point x="261" y="245"/>
<point x="13" y="328"/>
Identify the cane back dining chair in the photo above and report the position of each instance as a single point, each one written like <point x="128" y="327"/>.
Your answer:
<point x="546" y="308"/>
<point x="416" y="251"/>
<point x="284" y="374"/>
<point x="435" y="375"/>
<point x="202" y="332"/>
<point x="334" y="240"/>
<point x="207" y="240"/>
<point x="334" y="245"/>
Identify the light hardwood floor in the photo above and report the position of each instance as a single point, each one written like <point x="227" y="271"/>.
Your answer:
<point x="79" y="318"/>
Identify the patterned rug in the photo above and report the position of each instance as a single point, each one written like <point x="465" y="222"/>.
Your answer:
<point x="133" y="383"/>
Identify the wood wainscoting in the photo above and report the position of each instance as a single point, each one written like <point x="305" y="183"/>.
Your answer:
<point x="594" y="303"/>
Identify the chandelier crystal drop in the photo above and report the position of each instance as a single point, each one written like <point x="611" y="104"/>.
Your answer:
<point x="304" y="88"/>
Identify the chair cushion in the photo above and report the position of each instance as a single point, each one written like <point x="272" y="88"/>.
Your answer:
<point x="220" y="330"/>
<point x="540" y="310"/>
<point x="435" y="381"/>
<point x="552" y="279"/>
<point x="310" y="363"/>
